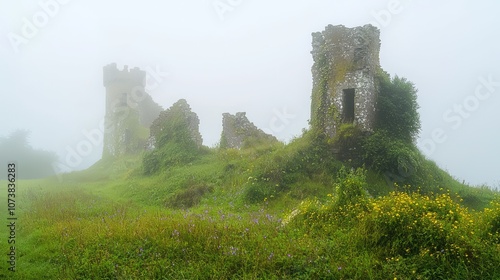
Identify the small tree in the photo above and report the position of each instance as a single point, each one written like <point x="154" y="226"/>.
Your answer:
<point x="397" y="108"/>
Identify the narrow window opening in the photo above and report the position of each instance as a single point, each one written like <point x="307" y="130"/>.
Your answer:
<point x="348" y="105"/>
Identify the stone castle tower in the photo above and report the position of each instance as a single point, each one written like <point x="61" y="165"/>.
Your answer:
<point x="129" y="110"/>
<point x="344" y="89"/>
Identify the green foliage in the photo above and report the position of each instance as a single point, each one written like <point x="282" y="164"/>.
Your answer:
<point x="256" y="193"/>
<point x="406" y="235"/>
<point x="170" y="154"/>
<point x="266" y="212"/>
<point x="347" y="144"/>
<point x="402" y="163"/>
<point x="151" y="162"/>
<point x="205" y="213"/>
<point x="491" y="222"/>
<point x="407" y="225"/>
<point x="476" y="198"/>
<point x="188" y="197"/>
<point x="223" y="143"/>
<point x="274" y="173"/>
<point x="174" y="139"/>
<point x="318" y="97"/>
<point x="390" y="155"/>
<point x="429" y="235"/>
<point x="342" y="208"/>
<point x="351" y="187"/>
<point x="174" y="126"/>
<point x="397" y="107"/>
<point x="256" y="140"/>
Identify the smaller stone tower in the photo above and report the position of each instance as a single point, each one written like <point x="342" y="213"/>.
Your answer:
<point x="119" y="84"/>
<point x="129" y="110"/>
<point x="344" y="88"/>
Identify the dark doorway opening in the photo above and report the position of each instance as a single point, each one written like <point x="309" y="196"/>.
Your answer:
<point x="348" y="105"/>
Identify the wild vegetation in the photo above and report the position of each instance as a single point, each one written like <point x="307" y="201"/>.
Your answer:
<point x="359" y="206"/>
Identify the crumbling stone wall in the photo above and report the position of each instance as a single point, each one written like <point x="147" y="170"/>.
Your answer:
<point x="238" y="132"/>
<point x="344" y="59"/>
<point x="177" y="123"/>
<point x="129" y="111"/>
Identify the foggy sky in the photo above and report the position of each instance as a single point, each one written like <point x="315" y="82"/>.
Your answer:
<point x="253" y="56"/>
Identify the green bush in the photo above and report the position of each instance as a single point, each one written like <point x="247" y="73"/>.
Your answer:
<point x="257" y="192"/>
<point x="151" y="163"/>
<point x="189" y="196"/>
<point x="347" y="144"/>
<point x="397" y="107"/>
<point x="174" y="135"/>
<point x="428" y="235"/>
<point x="351" y="187"/>
<point x="170" y="154"/>
<point x="402" y="224"/>
<point x="491" y="222"/>
<point x="279" y="169"/>
<point x="340" y="210"/>
<point x="406" y="235"/>
<point x="396" y="159"/>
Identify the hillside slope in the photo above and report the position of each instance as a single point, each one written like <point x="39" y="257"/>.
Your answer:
<point x="277" y="211"/>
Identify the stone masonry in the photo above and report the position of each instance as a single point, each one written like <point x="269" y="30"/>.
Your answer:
<point x="238" y="132"/>
<point x="171" y="121"/>
<point x="346" y="61"/>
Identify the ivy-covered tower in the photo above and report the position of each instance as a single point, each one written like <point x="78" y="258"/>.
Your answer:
<point x="129" y="111"/>
<point x="346" y="61"/>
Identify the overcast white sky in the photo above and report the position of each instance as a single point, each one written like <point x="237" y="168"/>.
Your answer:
<point x="248" y="55"/>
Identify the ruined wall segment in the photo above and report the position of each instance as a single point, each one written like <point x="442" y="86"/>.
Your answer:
<point x="178" y="124"/>
<point x="238" y="132"/>
<point x="346" y="61"/>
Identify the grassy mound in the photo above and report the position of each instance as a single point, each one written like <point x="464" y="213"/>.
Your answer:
<point x="279" y="211"/>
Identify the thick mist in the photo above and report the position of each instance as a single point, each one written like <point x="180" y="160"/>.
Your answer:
<point x="252" y="56"/>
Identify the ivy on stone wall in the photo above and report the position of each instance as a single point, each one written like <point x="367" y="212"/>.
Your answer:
<point x="175" y="137"/>
<point x="238" y="132"/>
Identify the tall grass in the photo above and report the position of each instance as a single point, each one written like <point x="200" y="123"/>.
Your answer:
<point x="275" y="212"/>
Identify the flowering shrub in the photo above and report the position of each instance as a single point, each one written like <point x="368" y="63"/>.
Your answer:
<point x="408" y="233"/>
<point x="349" y="201"/>
<point x="491" y="222"/>
<point x="411" y="224"/>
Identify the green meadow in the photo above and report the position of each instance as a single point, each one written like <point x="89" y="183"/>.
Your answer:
<point x="266" y="212"/>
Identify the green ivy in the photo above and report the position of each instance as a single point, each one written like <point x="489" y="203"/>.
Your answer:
<point x="397" y="107"/>
<point x="174" y="143"/>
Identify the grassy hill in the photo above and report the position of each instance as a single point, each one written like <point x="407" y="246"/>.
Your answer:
<point x="270" y="212"/>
